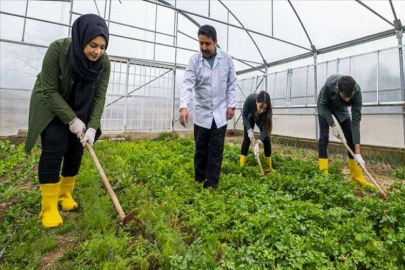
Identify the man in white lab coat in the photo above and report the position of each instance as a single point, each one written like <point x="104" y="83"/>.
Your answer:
<point x="211" y="73"/>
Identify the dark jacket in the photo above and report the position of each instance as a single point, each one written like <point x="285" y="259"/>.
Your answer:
<point x="330" y="102"/>
<point x="250" y="111"/>
<point x="52" y="89"/>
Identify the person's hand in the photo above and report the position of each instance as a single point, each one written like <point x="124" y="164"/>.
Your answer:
<point x="184" y="117"/>
<point x="257" y="148"/>
<point x="336" y="132"/>
<point x="229" y="113"/>
<point x="251" y="134"/>
<point x="359" y="160"/>
<point x="77" y="127"/>
<point x="89" y="136"/>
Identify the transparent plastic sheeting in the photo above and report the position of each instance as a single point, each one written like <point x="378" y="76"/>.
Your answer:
<point x="141" y="94"/>
<point x="377" y="73"/>
<point x="139" y="97"/>
<point x="138" y="21"/>
<point x="19" y="67"/>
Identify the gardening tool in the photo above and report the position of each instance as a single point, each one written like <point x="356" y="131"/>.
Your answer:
<point x="124" y="218"/>
<point x="383" y="194"/>
<point x="258" y="158"/>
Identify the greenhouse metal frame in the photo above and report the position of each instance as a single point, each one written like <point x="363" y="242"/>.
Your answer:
<point x="155" y="81"/>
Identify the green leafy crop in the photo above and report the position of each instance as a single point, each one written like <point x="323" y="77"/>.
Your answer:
<point x="296" y="218"/>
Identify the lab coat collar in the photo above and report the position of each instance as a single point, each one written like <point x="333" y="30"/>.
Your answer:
<point x="219" y="56"/>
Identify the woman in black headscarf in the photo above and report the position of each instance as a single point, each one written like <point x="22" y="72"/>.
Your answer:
<point x="65" y="110"/>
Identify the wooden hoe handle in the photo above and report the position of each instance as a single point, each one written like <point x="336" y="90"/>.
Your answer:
<point x="368" y="174"/>
<point x="107" y="185"/>
<point x="258" y="158"/>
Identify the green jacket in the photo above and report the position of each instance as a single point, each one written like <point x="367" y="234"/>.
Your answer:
<point x="330" y="102"/>
<point x="250" y="111"/>
<point x="52" y="88"/>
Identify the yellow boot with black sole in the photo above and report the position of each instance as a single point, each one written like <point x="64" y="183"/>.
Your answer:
<point x="49" y="215"/>
<point x="67" y="185"/>
<point x="356" y="174"/>
<point x="269" y="165"/>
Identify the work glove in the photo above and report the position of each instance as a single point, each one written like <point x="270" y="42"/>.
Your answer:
<point x="250" y="134"/>
<point x="77" y="127"/>
<point x="257" y="147"/>
<point x="336" y="132"/>
<point x="88" y="137"/>
<point x="359" y="160"/>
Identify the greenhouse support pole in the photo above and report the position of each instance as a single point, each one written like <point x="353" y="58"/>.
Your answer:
<point x="126" y="96"/>
<point x="98" y="11"/>
<point x="105" y="9"/>
<point x="378" y="78"/>
<point x="337" y="65"/>
<point x="119" y="90"/>
<point x="25" y="22"/>
<point x="401" y="63"/>
<point x="70" y="17"/>
<point x="109" y="15"/>
<point x="154" y="40"/>
<point x="176" y="24"/>
<point x="288" y="88"/>
<point x="275" y="84"/>
<point x="401" y="70"/>
<point x="272" y="18"/>
<point x="227" y="33"/>
<point x="306" y="87"/>
<point x="316" y="95"/>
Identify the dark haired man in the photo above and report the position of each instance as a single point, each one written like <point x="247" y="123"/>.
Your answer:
<point x="211" y="73"/>
<point x="338" y="93"/>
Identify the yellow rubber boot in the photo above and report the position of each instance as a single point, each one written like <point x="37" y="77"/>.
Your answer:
<point x="269" y="164"/>
<point x="66" y="189"/>
<point x="49" y="215"/>
<point x="357" y="174"/>
<point x="242" y="160"/>
<point x="323" y="165"/>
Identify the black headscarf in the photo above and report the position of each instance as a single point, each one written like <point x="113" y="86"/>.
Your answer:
<point x="85" y="72"/>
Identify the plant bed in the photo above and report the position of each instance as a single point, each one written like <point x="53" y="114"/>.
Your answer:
<point x="296" y="218"/>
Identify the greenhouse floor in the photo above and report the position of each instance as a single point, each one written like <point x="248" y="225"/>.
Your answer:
<point x="296" y="218"/>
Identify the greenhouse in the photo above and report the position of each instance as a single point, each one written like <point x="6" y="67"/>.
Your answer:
<point x="230" y="134"/>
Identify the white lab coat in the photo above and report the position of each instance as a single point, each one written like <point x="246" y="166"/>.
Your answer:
<point x="214" y="89"/>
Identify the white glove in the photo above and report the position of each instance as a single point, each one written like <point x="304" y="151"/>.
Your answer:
<point x="336" y="132"/>
<point x="77" y="127"/>
<point x="257" y="147"/>
<point x="89" y="137"/>
<point x="250" y="134"/>
<point x="359" y="160"/>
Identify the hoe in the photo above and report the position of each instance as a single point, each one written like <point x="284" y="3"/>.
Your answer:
<point x="383" y="194"/>
<point x="124" y="218"/>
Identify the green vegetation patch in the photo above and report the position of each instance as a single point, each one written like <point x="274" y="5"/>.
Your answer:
<point x="296" y="218"/>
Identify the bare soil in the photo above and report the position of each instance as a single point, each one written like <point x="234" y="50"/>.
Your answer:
<point x="50" y="260"/>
